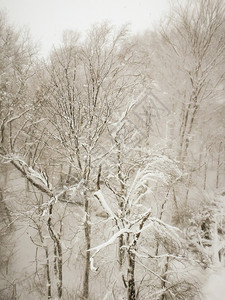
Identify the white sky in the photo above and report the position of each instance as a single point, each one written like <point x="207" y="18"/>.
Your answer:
<point x="47" y="19"/>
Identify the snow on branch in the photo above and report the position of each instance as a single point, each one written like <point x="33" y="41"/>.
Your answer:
<point x="110" y="241"/>
<point x="171" y="228"/>
<point x="121" y="121"/>
<point x="18" y="116"/>
<point x="104" y="204"/>
<point x="35" y="178"/>
<point x="159" y="168"/>
<point x="107" y="243"/>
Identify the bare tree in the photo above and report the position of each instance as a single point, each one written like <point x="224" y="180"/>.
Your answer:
<point x="87" y="85"/>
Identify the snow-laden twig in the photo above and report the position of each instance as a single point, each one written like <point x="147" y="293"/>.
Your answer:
<point x="121" y="121"/>
<point x="151" y="271"/>
<point x="110" y="241"/>
<point x="158" y="168"/>
<point x="38" y="175"/>
<point x="35" y="178"/>
<point x="93" y="268"/>
<point x="18" y="116"/>
<point x="170" y="227"/>
<point x="140" y="218"/>
<point x="104" y="204"/>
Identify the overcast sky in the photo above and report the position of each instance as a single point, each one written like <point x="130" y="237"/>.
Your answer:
<point x="48" y="18"/>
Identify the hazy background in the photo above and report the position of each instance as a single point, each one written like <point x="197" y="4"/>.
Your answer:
<point x="47" y="19"/>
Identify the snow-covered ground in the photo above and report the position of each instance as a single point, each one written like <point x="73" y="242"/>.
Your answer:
<point x="214" y="288"/>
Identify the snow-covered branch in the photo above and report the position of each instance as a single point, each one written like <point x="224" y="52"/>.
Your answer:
<point x="35" y="178"/>
<point x="104" y="204"/>
<point x="110" y="241"/>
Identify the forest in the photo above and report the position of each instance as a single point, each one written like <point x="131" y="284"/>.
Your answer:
<point x="112" y="160"/>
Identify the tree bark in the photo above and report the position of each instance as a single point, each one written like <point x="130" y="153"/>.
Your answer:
<point x="87" y="231"/>
<point x="164" y="278"/>
<point x="57" y="242"/>
<point x="218" y="166"/>
<point x="131" y="292"/>
<point x="48" y="274"/>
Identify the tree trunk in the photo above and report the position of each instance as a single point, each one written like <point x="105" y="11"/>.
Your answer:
<point x="205" y="172"/>
<point x="48" y="274"/>
<point x="164" y="278"/>
<point x="218" y="166"/>
<point x="59" y="284"/>
<point x="131" y="293"/>
<point x="87" y="231"/>
<point x="121" y="250"/>
<point x="56" y="239"/>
